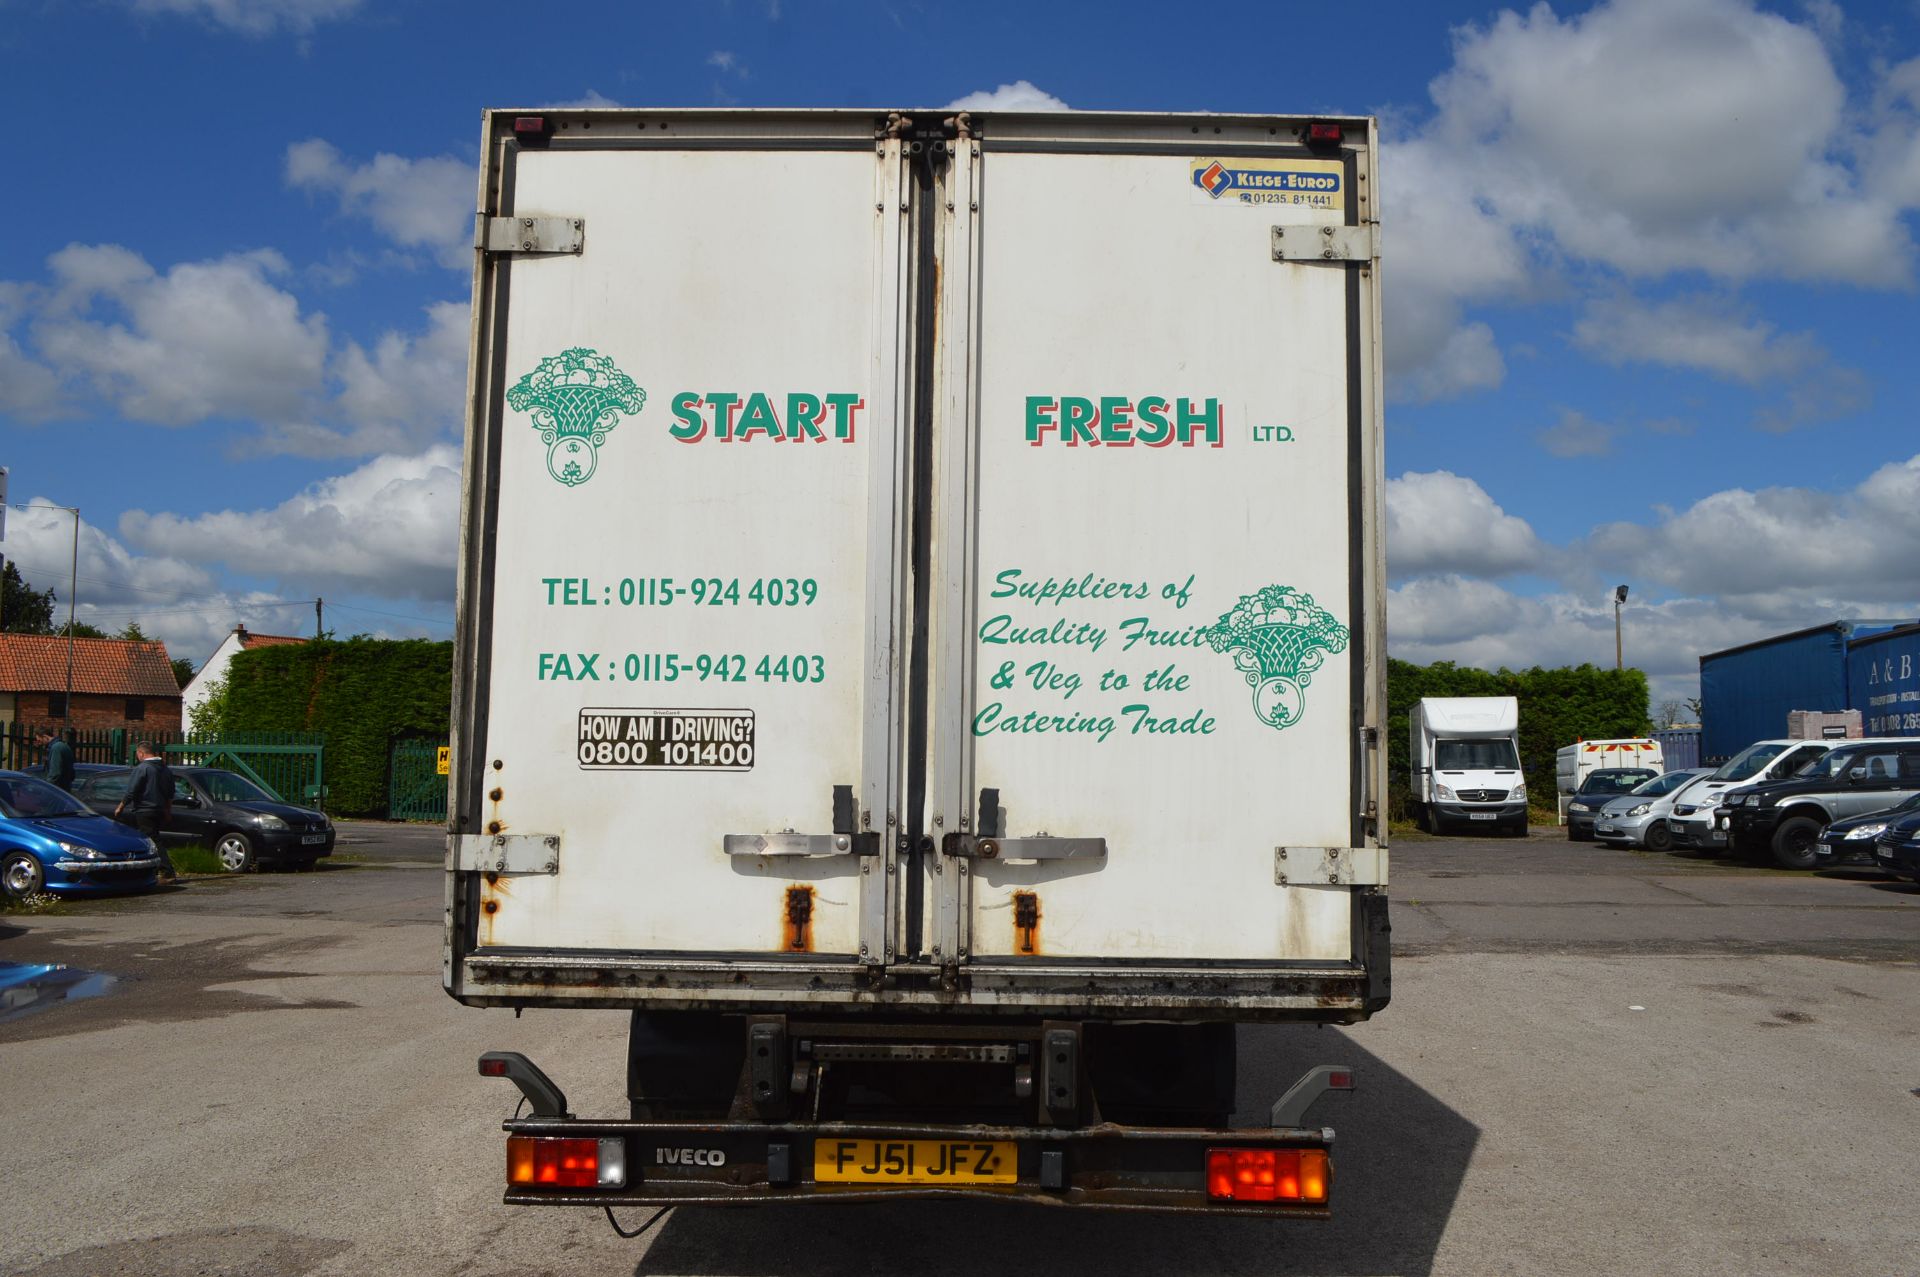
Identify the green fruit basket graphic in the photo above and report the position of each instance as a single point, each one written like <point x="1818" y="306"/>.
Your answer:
<point x="1278" y="637"/>
<point x="575" y="398"/>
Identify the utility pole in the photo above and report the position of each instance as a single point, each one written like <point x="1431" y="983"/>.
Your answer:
<point x="1619" y="597"/>
<point x="73" y="590"/>
<point x="318" y="606"/>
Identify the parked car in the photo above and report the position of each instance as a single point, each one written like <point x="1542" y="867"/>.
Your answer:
<point x="1640" y="818"/>
<point x="1596" y="791"/>
<point x="1783" y="818"/>
<point x="245" y="825"/>
<point x="1850" y="843"/>
<point x="50" y="842"/>
<point x="39" y="770"/>
<point x="1898" y="849"/>
<point x="1695" y="825"/>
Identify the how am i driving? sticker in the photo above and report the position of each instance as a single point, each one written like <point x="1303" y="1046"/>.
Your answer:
<point x="665" y="740"/>
<point x="1289" y="183"/>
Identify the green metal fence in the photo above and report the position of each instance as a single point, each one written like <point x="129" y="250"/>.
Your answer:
<point x="290" y="764"/>
<point x="417" y="780"/>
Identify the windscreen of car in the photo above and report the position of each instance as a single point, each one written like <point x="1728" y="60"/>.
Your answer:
<point x="1661" y="786"/>
<point x="1613" y="782"/>
<point x="1746" y="764"/>
<point x="1805" y="760"/>
<point x="1475" y="755"/>
<point x="24" y="798"/>
<point x="226" y="787"/>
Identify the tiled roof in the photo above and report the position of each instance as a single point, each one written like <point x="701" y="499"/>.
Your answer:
<point x="107" y="667"/>
<point x="249" y="640"/>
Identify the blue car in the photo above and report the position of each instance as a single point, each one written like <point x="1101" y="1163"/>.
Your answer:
<point x="49" y="841"/>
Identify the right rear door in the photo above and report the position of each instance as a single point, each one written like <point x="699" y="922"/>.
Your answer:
<point x="1155" y="591"/>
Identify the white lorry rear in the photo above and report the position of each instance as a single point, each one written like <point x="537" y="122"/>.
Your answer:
<point x="921" y="645"/>
<point x="1464" y="757"/>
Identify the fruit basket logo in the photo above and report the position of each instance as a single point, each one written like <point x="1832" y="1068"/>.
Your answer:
<point x="575" y="398"/>
<point x="1278" y="637"/>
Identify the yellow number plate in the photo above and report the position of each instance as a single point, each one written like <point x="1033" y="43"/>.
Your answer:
<point x="914" y="1162"/>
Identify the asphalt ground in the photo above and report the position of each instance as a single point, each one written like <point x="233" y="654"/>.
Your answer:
<point x="1596" y="1061"/>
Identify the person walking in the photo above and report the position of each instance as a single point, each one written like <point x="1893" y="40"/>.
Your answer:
<point x="148" y="801"/>
<point x="59" y="759"/>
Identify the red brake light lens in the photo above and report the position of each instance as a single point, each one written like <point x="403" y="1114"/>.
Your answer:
<point x="537" y="1161"/>
<point x="493" y="1068"/>
<point x="1267" y="1175"/>
<point x="1328" y="133"/>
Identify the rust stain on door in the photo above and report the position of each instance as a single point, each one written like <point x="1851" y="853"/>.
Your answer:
<point x="1026" y="922"/>
<point x="796" y="920"/>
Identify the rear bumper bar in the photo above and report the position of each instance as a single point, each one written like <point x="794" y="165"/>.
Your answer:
<point x="1105" y="1166"/>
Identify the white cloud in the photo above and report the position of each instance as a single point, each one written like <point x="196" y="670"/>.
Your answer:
<point x="387" y="528"/>
<point x="1482" y="624"/>
<point x="402" y="395"/>
<point x="417" y="203"/>
<point x="255" y="17"/>
<point x="1440" y="522"/>
<point x="1021" y="95"/>
<point x="1791" y="548"/>
<point x="1733" y="567"/>
<point x="722" y="58"/>
<point x="593" y="99"/>
<point x="214" y="339"/>
<point x="1703" y="333"/>
<point x="1577" y="435"/>
<point x="1640" y="139"/>
<point x="222" y="341"/>
<point x="1446" y="358"/>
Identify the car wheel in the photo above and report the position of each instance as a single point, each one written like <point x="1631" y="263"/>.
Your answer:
<point x="1658" y="839"/>
<point x="235" y="852"/>
<point x="21" y="876"/>
<point x="1794" y="842"/>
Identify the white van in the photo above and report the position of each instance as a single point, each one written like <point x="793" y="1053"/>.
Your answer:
<point x="1692" y="821"/>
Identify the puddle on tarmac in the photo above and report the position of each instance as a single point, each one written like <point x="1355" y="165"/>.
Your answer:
<point x="26" y="987"/>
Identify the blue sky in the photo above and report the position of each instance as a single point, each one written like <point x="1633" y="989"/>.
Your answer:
<point x="1649" y="267"/>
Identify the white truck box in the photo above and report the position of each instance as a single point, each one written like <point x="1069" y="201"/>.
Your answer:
<point x="921" y="583"/>
<point x="1573" y="763"/>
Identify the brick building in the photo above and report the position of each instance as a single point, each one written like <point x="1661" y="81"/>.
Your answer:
<point x="116" y="683"/>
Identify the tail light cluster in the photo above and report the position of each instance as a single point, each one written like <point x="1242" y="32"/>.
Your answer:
<point x="545" y="1161"/>
<point x="1267" y="1175"/>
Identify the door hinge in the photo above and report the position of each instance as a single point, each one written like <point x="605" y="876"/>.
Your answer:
<point x="510" y="853"/>
<point x="529" y="234"/>
<point x="1309" y="243"/>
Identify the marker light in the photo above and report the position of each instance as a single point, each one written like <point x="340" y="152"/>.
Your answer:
<point x="1325" y="134"/>
<point x="545" y="1161"/>
<point x="525" y="124"/>
<point x="1267" y="1174"/>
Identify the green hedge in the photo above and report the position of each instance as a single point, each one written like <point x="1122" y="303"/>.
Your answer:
<point x="1557" y="707"/>
<point x="363" y="693"/>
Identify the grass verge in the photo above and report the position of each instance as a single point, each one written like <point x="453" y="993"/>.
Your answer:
<point x="195" y="859"/>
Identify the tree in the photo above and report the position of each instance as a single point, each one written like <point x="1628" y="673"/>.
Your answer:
<point x="182" y="670"/>
<point x="134" y="634"/>
<point x="23" y="609"/>
<point x="1668" y="714"/>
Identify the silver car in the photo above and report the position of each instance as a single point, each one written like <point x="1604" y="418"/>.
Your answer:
<point x="1642" y="818"/>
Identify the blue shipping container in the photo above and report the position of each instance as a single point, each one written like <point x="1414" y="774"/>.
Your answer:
<point x="1883" y="682"/>
<point x="1747" y="692"/>
<point x="1679" y="748"/>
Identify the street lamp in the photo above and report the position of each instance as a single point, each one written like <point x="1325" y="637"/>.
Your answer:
<point x="1619" y="597"/>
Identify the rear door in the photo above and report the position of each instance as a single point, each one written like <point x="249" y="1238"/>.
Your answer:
<point x="1155" y="586"/>
<point x="683" y="588"/>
